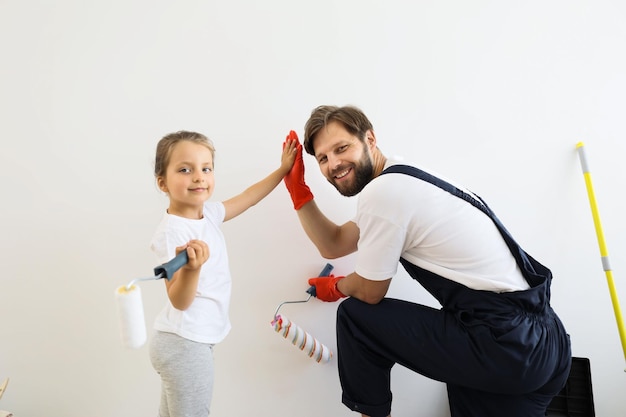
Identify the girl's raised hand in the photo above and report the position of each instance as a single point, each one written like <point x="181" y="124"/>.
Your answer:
<point x="290" y="148"/>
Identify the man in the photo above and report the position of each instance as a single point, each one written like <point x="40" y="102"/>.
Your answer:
<point x="496" y="342"/>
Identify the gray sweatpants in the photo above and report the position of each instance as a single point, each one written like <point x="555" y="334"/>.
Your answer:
<point x="186" y="370"/>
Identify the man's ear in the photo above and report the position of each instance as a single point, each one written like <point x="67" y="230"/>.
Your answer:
<point x="370" y="139"/>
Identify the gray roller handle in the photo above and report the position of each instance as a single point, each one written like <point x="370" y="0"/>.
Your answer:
<point x="168" y="269"/>
<point x="325" y="272"/>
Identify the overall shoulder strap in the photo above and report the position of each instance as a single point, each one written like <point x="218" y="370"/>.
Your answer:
<point x="446" y="186"/>
<point x="529" y="265"/>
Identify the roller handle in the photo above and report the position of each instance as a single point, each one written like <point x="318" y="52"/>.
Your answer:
<point x="325" y="272"/>
<point x="168" y="269"/>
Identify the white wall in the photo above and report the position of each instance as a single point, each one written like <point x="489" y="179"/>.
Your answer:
<point x="494" y="94"/>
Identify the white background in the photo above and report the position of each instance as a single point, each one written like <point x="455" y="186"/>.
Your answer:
<point x="494" y="94"/>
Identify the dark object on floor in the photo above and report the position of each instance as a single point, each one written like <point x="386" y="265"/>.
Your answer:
<point x="576" y="398"/>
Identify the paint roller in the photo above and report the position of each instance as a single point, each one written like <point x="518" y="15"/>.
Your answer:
<point x="296" y="335"/>
<point x="130" y="305"/>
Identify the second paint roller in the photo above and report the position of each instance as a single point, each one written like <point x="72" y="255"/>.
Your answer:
<point x="130" y="304"/>
<point x="296" y="335"/>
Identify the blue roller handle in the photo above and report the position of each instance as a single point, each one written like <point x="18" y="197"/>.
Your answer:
<point x="168" y="269"/>
<point x="325" y="272"/>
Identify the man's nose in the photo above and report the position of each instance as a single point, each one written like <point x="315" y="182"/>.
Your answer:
<point x="333" y="162"/>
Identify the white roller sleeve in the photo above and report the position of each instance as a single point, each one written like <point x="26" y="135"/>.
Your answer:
<point x="130" y="312"/>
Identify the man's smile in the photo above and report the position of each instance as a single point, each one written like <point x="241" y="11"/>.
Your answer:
<point x="342" y="174"/>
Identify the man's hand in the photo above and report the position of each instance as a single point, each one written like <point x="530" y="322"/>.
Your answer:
<point x="326" y="288"/>
<point x="294" y="180"/>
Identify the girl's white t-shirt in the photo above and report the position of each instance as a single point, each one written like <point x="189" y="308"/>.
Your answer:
<point x="207" y="318"/>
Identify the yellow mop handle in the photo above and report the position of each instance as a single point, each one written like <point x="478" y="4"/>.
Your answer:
<point x="603" y="251"/>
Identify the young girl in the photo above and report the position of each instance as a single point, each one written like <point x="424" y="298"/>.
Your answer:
<point x="195" y="317"/>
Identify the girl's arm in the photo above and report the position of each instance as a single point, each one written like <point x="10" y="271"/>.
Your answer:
<point x="258" y="191"/>
<point x="182" y="287"/>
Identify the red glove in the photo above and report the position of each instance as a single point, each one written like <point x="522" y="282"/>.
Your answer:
<point x="294" y="180"/>
<point x="326" y="288"/>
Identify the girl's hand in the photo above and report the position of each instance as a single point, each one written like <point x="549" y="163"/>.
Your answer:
<point x="198" y="253"/>
<point x="290" y="147"/>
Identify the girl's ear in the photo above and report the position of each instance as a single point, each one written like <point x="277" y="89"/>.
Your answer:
<point x="161" y="184"/>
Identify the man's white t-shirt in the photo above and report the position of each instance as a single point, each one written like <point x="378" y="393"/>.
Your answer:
<point x="401" y="216"/>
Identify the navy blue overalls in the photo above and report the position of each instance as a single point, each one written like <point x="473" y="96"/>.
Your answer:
<point x="500" y="354"/>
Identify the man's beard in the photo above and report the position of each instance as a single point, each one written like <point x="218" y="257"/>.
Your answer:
<point x="363" y="173"/>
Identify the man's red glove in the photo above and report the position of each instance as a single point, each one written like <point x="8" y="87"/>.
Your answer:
<point x="294" y="180"/>
<point x="326" y="288"/>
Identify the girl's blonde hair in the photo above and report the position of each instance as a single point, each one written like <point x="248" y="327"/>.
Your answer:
<point x="166" y="144"/>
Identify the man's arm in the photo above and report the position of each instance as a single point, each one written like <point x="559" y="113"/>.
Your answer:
<point x="368" y="291"/>
<point x="331" y="240"/>
<point x="335" y="241"/>
<point x="332" y="288"/>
